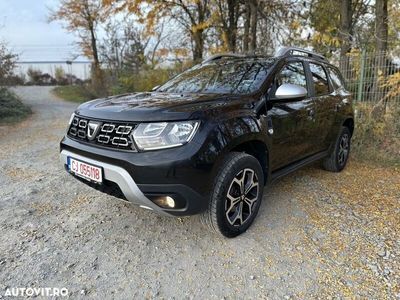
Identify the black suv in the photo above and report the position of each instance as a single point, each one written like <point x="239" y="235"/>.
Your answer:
<point x="209" y="139"/>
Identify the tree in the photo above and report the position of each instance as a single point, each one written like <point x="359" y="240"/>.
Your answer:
<point x="226" y="18"/>
<point x="345" y="29"/>
<point x="7" y="64"/>
<point x="337" y="25"/>
<point x="278" y="23"/>
<point x="191" y="16"/>
<point x="394" y="28"/>
<point x="246" y="25"/>
<point x="381" y="47"/>
<point x="128" y="46"/>
<point x="381" y="26"/>
<point x="83" y="17"/>
<point x="253" y="24"/>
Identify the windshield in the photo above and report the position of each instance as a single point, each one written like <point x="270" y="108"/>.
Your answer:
<point x="239" y="77"/>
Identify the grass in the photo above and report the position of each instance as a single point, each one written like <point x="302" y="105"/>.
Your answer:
<point x="74" y="93"/>
<point x="12" y="110"/>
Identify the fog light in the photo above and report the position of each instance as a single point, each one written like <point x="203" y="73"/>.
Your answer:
<point x="164" y="201"/>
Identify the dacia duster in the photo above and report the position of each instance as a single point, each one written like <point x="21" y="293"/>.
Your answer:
<point x="209" y="140"/>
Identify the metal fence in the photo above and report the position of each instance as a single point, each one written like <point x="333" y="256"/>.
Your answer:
<point x="372" y="77"/>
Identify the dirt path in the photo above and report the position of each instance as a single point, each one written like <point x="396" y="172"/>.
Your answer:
<point x="318" y="234"/>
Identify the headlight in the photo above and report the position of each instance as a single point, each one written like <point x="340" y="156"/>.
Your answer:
<point x="70" y="119"/>
<point x="152" y="136"/>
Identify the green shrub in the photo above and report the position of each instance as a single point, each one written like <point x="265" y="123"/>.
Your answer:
<point x="74" y="93"/>
<point x="11" y="108"/>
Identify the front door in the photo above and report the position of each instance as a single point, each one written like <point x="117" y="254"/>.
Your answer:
<point x="291" y="122"/>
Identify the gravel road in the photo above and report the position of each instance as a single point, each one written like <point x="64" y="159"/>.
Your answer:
<point x="318" y="234"/>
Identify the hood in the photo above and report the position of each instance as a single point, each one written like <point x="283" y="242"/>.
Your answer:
<point x="154" y="106"/>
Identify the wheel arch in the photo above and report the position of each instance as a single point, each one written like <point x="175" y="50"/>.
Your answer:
<point x="259" y="150"/>
<point x="349" y="123"/>
<point x="242" y="134"/>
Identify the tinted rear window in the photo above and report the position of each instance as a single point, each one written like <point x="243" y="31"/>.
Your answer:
<point x="320" y="79"/>
<point x="336" y="79"/>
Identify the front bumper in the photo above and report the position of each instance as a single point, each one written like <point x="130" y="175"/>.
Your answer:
<point x="157" y="179"/>
<point x="117" y="175"/>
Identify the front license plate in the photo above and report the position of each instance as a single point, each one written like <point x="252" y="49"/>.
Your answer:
<point x="85" y="170"/>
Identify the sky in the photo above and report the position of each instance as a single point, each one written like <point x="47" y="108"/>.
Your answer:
<point x="24" y="27"/>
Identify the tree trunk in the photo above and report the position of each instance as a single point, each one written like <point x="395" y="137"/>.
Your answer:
<point x="381" y="36"/>
<point x="246" y="33"/>
<point x="253" y="29"/>
<point x="231" y="34"/>
<point x="233" y="6"/>
<point x="198" y="33"/>
<point x="198" y="40"/>
<point x="345" y="34"/>
<point x="381" y="26"/>
<point x="93" y="43"/>
<point x="98" y="80"/>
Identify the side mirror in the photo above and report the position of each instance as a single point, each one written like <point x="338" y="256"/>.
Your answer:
<point x="290" y="91"/>
<point x="155" y="88"/>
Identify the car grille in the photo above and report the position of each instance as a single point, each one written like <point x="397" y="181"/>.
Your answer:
<point x="103" y="133"/>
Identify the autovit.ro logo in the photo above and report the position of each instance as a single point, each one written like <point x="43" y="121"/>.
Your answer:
<point x="35" y="292"/>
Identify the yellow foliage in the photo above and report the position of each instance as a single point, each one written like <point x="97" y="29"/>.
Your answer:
<point x="295" y="25"/>
<point x="326" y="39"/>
<point x="181" y="52"/>
<point x="393" y="83"/>
<point x="162" y="52"/>
<point x="201" y="26"/>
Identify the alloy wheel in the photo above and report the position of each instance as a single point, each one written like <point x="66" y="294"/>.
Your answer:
<point x="242" y="197"/>
<point x="344" y="146"/>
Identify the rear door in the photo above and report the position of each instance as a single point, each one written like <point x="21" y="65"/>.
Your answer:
<point x="291" y="123"/>
<point x="326" y="101"/>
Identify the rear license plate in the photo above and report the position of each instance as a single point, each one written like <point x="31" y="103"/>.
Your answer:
<point x="85" y="170"/>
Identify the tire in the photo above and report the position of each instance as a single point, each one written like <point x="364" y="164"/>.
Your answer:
<point x="337" y="160"/>
<point x="232" y="214"/>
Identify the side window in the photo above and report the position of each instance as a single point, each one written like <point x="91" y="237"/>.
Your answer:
<point x="320" y="80"/>
<point x="292" y="73"/>
<point x="336" y="79"/>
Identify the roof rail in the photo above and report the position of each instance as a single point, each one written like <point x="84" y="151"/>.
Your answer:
<point x="289" y="51"/>
<point x="222" y="55"/>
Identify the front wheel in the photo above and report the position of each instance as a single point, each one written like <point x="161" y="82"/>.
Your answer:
<point x="236" y="195"/>
<point x="340" y="153"/>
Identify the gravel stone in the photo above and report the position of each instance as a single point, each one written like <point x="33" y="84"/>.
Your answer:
<point x="317" y="234"/>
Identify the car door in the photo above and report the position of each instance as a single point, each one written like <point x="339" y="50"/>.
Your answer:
<point x="343" y="99"/>
<point x="290" y="121"/>
<point x="326" y="101"/>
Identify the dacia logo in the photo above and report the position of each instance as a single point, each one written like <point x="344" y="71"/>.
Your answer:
<point x="93" y="129"/>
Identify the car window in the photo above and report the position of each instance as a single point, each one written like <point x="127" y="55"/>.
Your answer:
<point x="320" y="79"/>
<point x="292" y="73"/>
<point x="242" y="77"/>
<point x="336" y="79"/>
